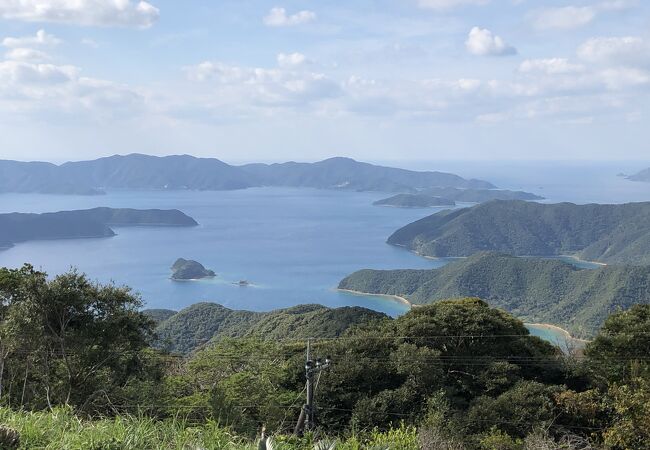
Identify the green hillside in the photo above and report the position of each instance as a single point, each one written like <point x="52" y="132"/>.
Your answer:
<point x="533" y="289"/>
<point x="606" y="233"/>
<point x="199" y="323"/>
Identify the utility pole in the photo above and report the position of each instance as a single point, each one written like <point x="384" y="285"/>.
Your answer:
<point x="307" y="419"/>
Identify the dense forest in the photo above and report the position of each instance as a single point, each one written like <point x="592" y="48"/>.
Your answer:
<point x="204" y="322"/>
<point x="78" y="371"/>
<point x="614" y="234"/>
<point x="533" y="289"/>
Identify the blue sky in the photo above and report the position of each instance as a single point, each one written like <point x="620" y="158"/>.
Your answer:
<point x="303" y="80"/>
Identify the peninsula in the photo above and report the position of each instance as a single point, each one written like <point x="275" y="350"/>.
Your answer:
<point x="611" y="234"/>
<point x="87" y="223"/>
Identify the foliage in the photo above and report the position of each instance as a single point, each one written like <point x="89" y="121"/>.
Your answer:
<point x="68" y="341"/>
<point x="608" y="233"/>
<point x="202" y="322"/>
<point x="534" y="289"/>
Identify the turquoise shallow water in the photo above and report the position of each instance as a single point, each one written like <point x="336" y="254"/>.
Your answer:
<point x="293" y="245"/>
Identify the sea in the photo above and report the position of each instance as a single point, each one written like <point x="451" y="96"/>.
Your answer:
<point x="292" y="245"/>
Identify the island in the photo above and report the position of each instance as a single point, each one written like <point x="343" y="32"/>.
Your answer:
<point x="186" y="172"/>
<point x="612" y="234"/>
<point x="474" y="195"/>
<point x="534" y="289"/>
<point x="187" y="269"/>
<point x="414" y="201"/>
<point x="87" y="223"/>
<point x="643" y="176"/>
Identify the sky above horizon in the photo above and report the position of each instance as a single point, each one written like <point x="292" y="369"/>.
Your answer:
<point x="276" y="80"/>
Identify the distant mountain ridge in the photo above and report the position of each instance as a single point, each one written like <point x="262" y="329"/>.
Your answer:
<point x="533" y="289"/>
<point x="138" y="171"/>
<point x="615" y="234"/>
<point x="87" y="223"/>
<point x="197" y="324"/>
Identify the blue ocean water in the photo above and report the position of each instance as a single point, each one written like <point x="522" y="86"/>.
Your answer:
<point x="292" y="245"/>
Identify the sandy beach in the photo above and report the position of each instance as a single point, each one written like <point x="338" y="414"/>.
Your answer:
<point x="392" y="297"/>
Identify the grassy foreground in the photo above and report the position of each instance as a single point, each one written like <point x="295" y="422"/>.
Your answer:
<point x="62" y="430"/>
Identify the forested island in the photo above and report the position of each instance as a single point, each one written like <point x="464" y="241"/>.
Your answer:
<point x="616" y="234"/>
<point x="87" y="223"/>
<point x="533" y="289"/>
<point x="478" y="195"/>
<point x="182" y="172"/>
<point x="187" y="269"/>
<point x="414" y="201"/>
<point x="201" y="323"/>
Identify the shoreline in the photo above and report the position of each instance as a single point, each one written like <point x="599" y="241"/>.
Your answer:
<point x="397" y="298"/>
<point x="557" y="329"/>
<point x="544" y="326"/>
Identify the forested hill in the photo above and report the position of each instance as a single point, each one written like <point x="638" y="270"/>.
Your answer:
<point x="199" y="323"/>
<point x="605" y="233"/>
<point x="644" y="175"/>
<point x="20" y="227"/>
<point x="137" y="171"/>
<point x="533" y="289"/>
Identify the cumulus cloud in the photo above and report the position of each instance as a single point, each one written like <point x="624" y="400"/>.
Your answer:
<point x="28" y="87"/>
<point x="482" y="42"/>
<point x="628" y="50"/>
<point x="291" y="59"/>
<point x="40" y="39"/>
<point x="441" y="5"/>
<point x="26" y="54"/>
<point x="278" y="17"/>
<point x="550" y="66"/>
<point x="260" y="86"/>
<point x="128" y="13"/>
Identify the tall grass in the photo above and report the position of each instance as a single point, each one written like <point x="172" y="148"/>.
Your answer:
<point x="62" y="430"/>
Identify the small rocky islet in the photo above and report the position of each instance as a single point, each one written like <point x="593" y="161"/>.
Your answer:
<point x="187" y="269"/>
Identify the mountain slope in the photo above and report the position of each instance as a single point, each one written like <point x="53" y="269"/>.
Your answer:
<point x="199" y="323"/>
<point x="533" y="289"/>
<point x="606" y="233"/>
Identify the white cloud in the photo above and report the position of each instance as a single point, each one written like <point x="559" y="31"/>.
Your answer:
<point x="628" y="50"/>
<point x="264" y="87"/>
<point x="482" y="42"/>
<point x="129" y="13"/>
<point x="564" y="18"/>
<point x="30" y="88"/>
<point x="278" y="17"/>
<point x="550" y="66"/>
<point x="291" y="59"/>
<point x="571" y="17"/>
<point x="441" y="5"/>
<point x="41" y="38"/>
<point x="26" y="54"/>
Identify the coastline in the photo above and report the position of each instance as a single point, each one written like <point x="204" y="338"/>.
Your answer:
<point x="389" y="296"/>
<point x="542" y="326"/>
<point x="558" y="330"/>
